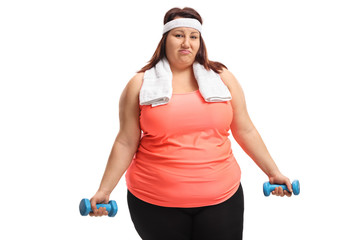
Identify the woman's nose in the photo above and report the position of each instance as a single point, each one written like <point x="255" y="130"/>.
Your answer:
<point x="186" y="42"/>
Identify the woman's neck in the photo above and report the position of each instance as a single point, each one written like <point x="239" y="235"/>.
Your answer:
<point x="184" y="79"/>
<point x="182" y="72"/>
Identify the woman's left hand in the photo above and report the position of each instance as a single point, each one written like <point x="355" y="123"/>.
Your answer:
<point x="281" y="179"/>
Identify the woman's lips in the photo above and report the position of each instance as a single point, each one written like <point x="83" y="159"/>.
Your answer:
<point x="184" y="51"/>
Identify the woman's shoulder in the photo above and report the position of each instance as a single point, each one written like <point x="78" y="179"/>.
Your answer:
<point x="229" y="79"/>
<point x="130" y="94"/>
<point x="135" y="83"/>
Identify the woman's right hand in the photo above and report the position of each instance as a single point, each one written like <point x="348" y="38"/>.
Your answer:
<point x="99" y="198"/>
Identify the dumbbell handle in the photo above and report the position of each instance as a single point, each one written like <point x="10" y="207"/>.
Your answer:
<point x="107" y="206"/>
<point x="273" y="186"/>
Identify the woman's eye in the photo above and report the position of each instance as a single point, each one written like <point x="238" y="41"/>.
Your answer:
<point x="178" y="35"/>
<point x="194" y="37"/>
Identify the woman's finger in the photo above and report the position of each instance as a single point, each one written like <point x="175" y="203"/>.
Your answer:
<point x="102" y="211"/>
<point x="288" y="194"/>
<point x="279" y="192"/>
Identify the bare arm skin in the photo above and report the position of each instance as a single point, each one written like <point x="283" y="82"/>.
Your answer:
<point x="125" y="144"/>
<point x="249" y="139"/>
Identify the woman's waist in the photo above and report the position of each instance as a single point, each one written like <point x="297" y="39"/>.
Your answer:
<point x="203" y="182"/>
<point x="185" y="153"/>
<point x="183" y="170"/>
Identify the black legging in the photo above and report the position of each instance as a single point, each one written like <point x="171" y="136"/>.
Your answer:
<point x="223" y="221"/>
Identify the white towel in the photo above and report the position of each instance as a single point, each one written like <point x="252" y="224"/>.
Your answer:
<point x="157" y="85"/>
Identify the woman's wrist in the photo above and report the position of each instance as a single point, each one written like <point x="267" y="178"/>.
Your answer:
<point x="274" y="173"/>
<point x="104" y="191"/>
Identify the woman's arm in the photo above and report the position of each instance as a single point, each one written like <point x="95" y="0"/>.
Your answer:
<point x="125" y="144"/>
<point x="246" y="135"/>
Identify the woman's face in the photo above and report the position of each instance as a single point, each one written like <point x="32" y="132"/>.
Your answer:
<point x="182" y="45"/>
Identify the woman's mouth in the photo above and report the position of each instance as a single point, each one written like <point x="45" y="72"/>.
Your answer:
<point x="183" y="51"/>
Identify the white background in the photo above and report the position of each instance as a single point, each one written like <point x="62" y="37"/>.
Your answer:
<point x="64" y="64"/>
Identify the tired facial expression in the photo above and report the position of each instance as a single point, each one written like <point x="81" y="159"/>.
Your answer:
<point x="182" y="45"/>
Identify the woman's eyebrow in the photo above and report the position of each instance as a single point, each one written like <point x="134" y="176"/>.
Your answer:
<point x="179" y="30"/>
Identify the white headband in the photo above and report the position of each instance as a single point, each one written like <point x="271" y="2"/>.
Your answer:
<point x="182" y="22"/>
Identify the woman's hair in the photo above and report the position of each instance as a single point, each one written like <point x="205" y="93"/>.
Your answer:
<point x="201" y="55"/>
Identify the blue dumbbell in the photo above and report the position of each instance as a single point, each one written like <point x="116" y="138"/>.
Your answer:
<point x="268" y="188"/>
<point x="85" y="207"/>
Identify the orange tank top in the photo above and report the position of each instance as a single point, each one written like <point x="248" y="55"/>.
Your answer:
<point x="184" y="158"/>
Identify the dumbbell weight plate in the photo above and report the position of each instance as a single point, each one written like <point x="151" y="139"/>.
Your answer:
<point x="85" y="207"/>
